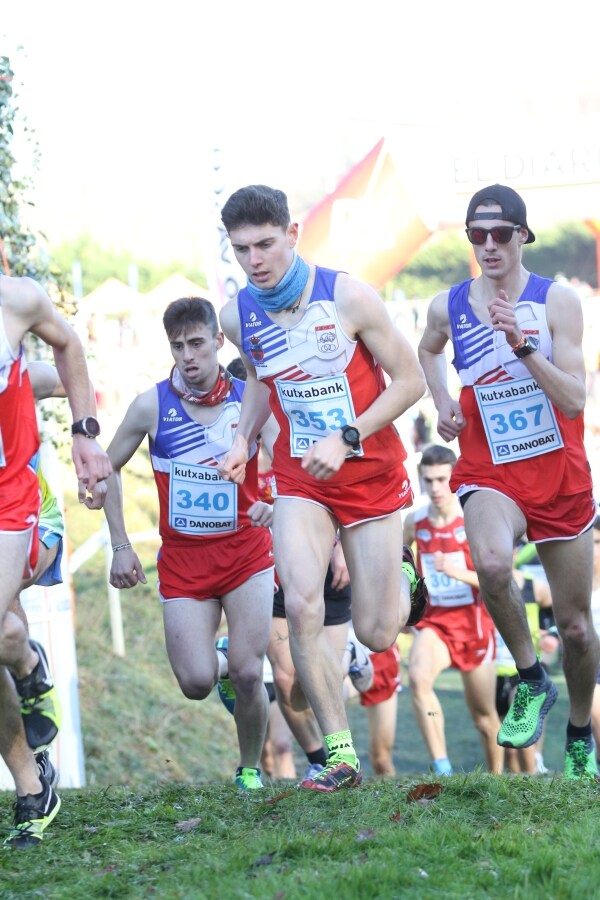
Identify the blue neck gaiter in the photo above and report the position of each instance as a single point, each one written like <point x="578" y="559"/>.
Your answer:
<point x="287" y="290"/>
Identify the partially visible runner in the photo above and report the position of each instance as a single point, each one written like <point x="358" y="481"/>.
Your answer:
<point x="316" y="344"/>
<point x="212" y="558"/>
<point x="457" y="631"/>
<point x="596" y="615"/>
<point x="24" y="677"/>
<point x="517" y="342"/>
<point x="536" y="596"/>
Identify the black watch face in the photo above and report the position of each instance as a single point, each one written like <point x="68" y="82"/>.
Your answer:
<point x="91" y="426"/>
<point x="351" y="436"/>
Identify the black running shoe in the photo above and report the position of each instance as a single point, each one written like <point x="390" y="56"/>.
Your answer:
<point x="33" y="814"/>
<point x="419" y="595"/>
<point x="46" y="768"/>
<point x="40" y="707"/>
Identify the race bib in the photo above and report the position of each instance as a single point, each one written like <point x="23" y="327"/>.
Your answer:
<point x="518" y="419"/>
<point x="315" y="409"/>
<point x="200" y="501"/>
<point x="444" y="590"/>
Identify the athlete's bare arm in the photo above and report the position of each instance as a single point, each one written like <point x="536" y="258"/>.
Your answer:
<point x="563" y="379"/>
<point x="433" y="359"/>
<point x="28" y="308"/>
<point x="140" y="421"/>
<point x="255" y="408"/>
<point x="363" y="315"/>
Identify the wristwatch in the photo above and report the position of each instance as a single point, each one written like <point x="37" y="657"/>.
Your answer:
<point x="524" y="347"/>
<point x="351" y="437"/>
<point x="89" y="426"/>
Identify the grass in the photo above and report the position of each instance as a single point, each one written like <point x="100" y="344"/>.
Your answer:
<point x="160" y="817"/>
<point x="483" y="836"/>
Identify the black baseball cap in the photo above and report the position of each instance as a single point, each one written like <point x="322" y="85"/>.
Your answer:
<point x="513" y="207"/>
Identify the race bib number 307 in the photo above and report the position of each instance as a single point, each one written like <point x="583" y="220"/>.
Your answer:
<point x="518" y="419"/>
<point x="200" y="501"/>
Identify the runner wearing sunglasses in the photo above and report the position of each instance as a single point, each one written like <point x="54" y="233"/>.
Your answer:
<point x="517" y="342"/>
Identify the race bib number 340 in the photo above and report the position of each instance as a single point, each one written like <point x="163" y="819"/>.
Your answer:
<point x="518" y="419"/>
<point x="200" y="501"/>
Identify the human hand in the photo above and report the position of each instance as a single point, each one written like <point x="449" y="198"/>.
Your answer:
<point x="91" y="461"/>
<point x="232" y="466"/>
<point x="451" y="420"/>
<point x="325" y="457"/>
<point x="339" y="569"/>
<point x="261" y="513"/>
<point x="98" y="495"/>
<point x="503" y="317"/>
<point x="126" y="569"/>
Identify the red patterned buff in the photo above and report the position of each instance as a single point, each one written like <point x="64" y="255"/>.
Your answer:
<point x="218" y="394"/>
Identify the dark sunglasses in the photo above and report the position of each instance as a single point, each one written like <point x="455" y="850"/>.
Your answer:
<point x="501" y="234"/>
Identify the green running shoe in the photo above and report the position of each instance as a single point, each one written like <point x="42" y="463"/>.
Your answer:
<point x="33" y="814"/>
<point x="40" y="706"/>
<point x="523" y="723"/>
<point x="248" y="779"/>
<point x="580" y="759"/>
<point x="419" y="595"/>
<point x="224" y="685"/>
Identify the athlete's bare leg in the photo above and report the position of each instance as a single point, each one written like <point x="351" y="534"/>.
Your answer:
<point x="428" y="657"/>
<point x="382" y="718"/>
<point x="190" y="631"/>
<point x="373" y="552"/>
<point x="568" y="566"/>
<point x="290" y="696"/>
<point x="303" y="536"/>
<point x="249" y="610"/>
<point x="14" y="652"/>
<point x="493" y="523"/>
<point x="480" y="696"/>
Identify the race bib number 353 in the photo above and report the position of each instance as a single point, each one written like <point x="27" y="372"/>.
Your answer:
<point x="315" y="409"/>
<point x="200" y="501"/>
<point x="518" y="419"/>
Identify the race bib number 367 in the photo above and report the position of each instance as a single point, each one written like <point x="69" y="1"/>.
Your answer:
<point x="518" y="419"/>
<point x="200" y="501"/>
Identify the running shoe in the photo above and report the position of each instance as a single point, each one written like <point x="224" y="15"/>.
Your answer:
<point x="46" y="768"/>
<point x="419" y="595"/>
<point x="441" y="767"/>
<point x="336" y="775"/>
<point x="580" y="759"/>
<point x="33" y="814"/>
<point x="248" y="779"/>
<point x="40" y="706"/>
<point x="524" y="720"/>
<point x="361" y="670"/>
<point x="310" y="772"/>
<point x="224" y="685"/>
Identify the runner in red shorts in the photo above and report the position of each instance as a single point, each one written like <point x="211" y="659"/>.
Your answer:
<point x="456" y="631"/>
<point x="25" y="307"/>
<point x="216" y="554"/>
<point x="316" y="344"/>
<point x="522" y="468"/>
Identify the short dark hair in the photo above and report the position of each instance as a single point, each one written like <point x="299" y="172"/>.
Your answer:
<point x="256" y="204"/>
<point x="237" y="368"/>
<point x="182" y="314"/>
<point x="436" y="455"/>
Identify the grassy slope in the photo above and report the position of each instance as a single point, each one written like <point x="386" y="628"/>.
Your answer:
<point x="138" y="728"/>
<point x="157" y="819"/>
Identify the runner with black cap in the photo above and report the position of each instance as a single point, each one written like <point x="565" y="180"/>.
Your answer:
<point x="517" y="342"/>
